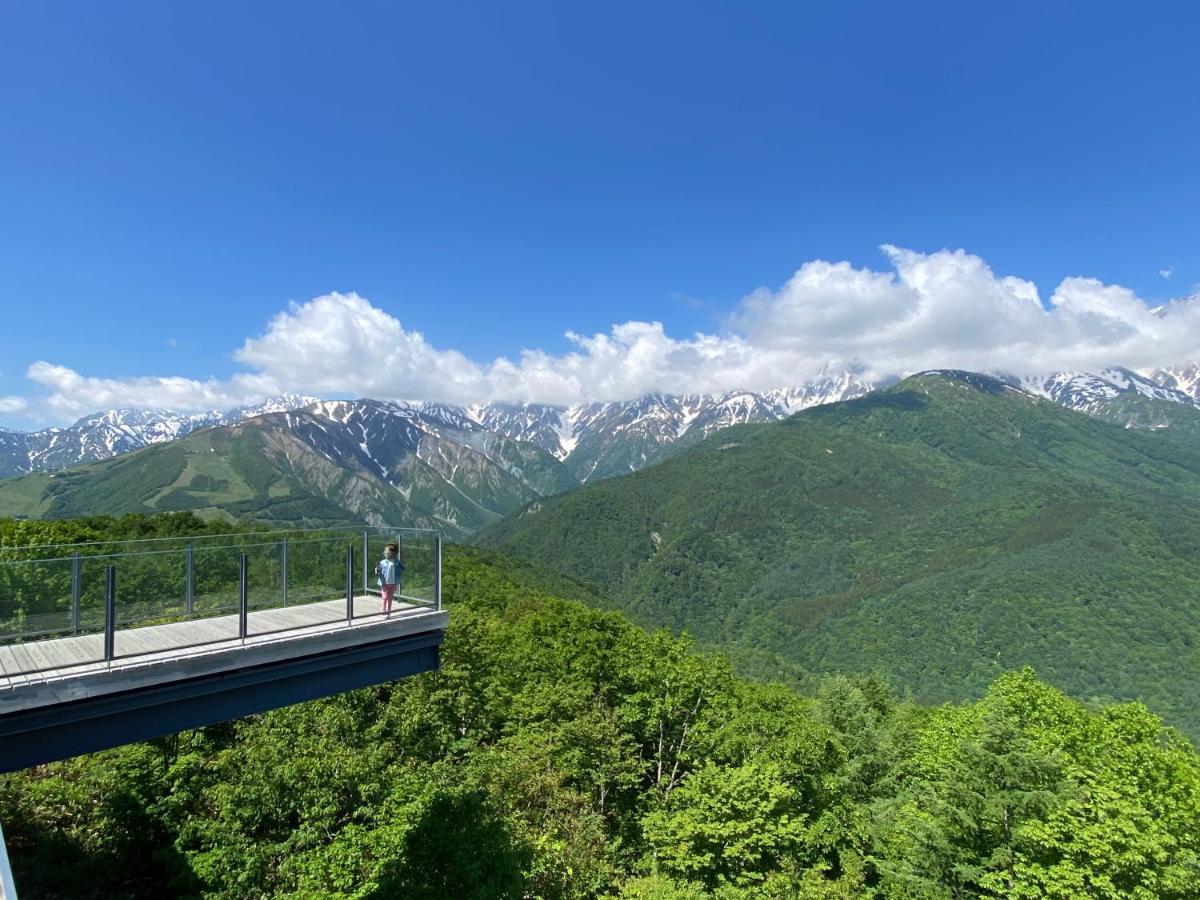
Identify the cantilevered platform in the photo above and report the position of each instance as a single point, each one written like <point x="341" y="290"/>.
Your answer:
<point x="197" y="630"/>
<point x="160" y="682"/>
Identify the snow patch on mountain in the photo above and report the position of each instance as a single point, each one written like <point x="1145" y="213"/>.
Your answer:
<point x="1092" y="393"/>
<point x="1184" y="378"/>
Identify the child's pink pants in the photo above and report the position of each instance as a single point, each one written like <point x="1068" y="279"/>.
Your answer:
<point x="388" y="591"/>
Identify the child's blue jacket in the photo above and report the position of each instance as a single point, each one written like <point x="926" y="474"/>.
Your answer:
<point x="390" y="571"/>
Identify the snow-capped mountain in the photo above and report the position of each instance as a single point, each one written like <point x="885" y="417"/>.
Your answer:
<point x="453" y="467"/>
<point x="828" y="387"/>
<point x="1091" y="393"/>
<point x="111" y="432"/>
<point x="549" y="427"/>
<point x="1185" y="379"/>
<point x="327" y="462"/>
<point x="598" y="440"/>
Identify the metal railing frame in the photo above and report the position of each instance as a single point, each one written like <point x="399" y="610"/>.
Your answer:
<point x="111" y="620"/>
<point x="200" y="541"/>
<point x="189" y="579"/>
<point x="76" y="590"/>
<point x="243" y="595"/>
<point x="110" y="612"/>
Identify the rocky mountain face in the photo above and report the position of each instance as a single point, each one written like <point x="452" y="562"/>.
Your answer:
<point x="600" y="440"/>
<point x="1185" y="379"/>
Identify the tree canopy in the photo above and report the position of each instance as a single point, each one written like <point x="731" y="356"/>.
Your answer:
<point x="562" y="752"/>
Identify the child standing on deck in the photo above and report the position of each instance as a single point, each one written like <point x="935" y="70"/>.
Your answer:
<point x="390" y="571"/>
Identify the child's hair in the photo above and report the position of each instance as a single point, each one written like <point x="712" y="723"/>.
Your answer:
<point x="394" y="547"/>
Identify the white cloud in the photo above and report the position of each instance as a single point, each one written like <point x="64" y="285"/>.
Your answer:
<point x="71" y="394"/>
<point x="1167" y="272"/>
<point x="13" y="404"/>
<point x="929" y="310"/>
<point x="340" y="343"/>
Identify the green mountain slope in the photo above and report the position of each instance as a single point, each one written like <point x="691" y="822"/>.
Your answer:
<point x="942" y="531"/>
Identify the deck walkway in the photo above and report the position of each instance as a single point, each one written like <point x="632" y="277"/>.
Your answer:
<point x="45" y="659"/>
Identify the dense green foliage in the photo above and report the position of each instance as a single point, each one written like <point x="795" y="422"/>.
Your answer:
<point x="941" y="532"/>
<point x="562" y="752"/>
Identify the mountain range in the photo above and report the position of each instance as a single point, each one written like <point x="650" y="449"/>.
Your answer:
<point x="598" y="440"/>
<point x="329" y="462"/>
<point x="304" y="460"/>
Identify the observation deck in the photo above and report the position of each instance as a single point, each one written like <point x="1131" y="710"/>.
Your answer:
<point x="105" y="644"/>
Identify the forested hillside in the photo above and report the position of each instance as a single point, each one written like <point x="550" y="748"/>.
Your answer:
<point x="942" y="531"/>
<point x="563" y="752"/>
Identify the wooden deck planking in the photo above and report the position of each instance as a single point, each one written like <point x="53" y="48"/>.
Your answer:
<point x="68" y="651"/>
<point x="51" y="656"/>
<point x="22" y="661"/>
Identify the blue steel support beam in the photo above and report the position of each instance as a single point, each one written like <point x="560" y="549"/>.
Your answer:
<point x="37" y="736"/>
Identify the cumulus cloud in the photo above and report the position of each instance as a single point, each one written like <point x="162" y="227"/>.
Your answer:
<point x="926" y="310"/>
<point x="340" y="343"/>
<point x="950" y="309"/>
<point x="13" y="404"/>
<point x="71" y="394"/>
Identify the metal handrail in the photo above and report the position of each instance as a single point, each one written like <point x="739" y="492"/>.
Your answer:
<point x="381" y="529"/>
<point x="192" y="542"/>
<point x="197" y="599"/>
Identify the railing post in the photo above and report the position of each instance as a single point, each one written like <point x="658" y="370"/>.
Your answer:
<point x="76" y="590"/>
<point x="283" y="571"/>
<point x="366" y="552"/>
<point x="437" y="571"/>
<point x="349" y="583"/>
<point x="243" y="596"/>
<point x="189" y="581"/>
<point x="110" y="612"/>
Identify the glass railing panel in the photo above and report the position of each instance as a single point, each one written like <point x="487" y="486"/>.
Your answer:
<point x="264" y="579"/>
<point x="185" y="592"/>
<point x="417" y="586"/>
<point x="311" y="589"/>
<point x="171" y="600"/>
<point x="47" y="618"/>
<point x="419" y="559"/>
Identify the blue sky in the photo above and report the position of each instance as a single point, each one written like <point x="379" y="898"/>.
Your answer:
<point x="488" y="177"/>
